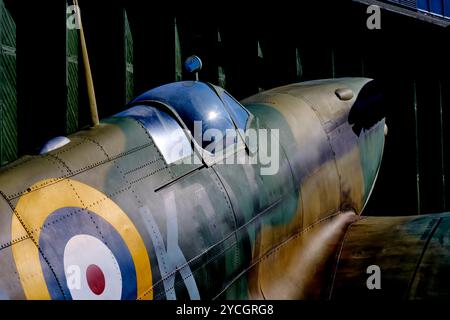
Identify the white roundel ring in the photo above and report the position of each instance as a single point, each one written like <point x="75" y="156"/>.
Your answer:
<point x="92" y="274"/>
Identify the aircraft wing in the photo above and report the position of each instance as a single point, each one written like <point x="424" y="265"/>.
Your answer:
<point x="346" y="257"/>
<point x="412" y="254"/>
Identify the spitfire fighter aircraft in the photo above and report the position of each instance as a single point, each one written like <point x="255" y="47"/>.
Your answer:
<point x="189" y="194"/>
<point x="112" y="212"/>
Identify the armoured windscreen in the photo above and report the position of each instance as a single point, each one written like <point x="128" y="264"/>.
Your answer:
<point x="201" y="110"/>
<point x="239" y="114"/>
<point x="165" y="131"/>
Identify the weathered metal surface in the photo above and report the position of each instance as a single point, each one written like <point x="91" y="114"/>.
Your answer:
<point x="109" y="201"/>
<point x="411" y="252"/>
<point x="301" y="266"/>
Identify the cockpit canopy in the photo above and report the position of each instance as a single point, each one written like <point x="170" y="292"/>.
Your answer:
<point x="200" y="108"/>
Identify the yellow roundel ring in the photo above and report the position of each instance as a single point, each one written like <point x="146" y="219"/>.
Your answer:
<point x="33" y="209"/>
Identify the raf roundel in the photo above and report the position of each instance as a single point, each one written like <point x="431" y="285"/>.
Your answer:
<point x="85" y="249"/>
<point x="91" y="275"/>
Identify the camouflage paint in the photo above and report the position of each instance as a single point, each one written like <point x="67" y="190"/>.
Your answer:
<point x="207" y="231"/>
<point x="411" y="252"/>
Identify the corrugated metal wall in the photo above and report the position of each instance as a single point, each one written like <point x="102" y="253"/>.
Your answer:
<point x="73" y="80"/>
<point x="8" y="97"/>
<point x="178" y="58"/>
<point x="435" y="7"/>
<point x="129" y="60"/>
<point x="407" y="3"/>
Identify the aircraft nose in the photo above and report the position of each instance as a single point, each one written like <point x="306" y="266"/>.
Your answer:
<point x="367" y="118"/>
<point x="369" y="107"/>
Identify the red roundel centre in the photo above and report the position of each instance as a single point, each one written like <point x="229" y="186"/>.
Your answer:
<point x="95" y="279"/>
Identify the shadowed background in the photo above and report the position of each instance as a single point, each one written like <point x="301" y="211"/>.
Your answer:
<point x="134" y="46"/>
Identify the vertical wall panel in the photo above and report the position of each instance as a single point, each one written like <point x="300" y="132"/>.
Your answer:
<point x="73" y="79"/>
<point x="41" y="73"/>
<point x="198" y="36"/>
<point x="154" y="45"/>
<point x="437" y="7"/>
<point x="279" y="49"/>
<point x="129" y="60"/>
<point x="104" y="26"/>
<point x="447" y="9"/>
<point x="446" y="140"/>
<point x="8" y="99"/>
<point x="240" y="54"/>
<point x="221" y="71"/>
<point x="429" y="141"/>
<point x="178" y="54"/>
